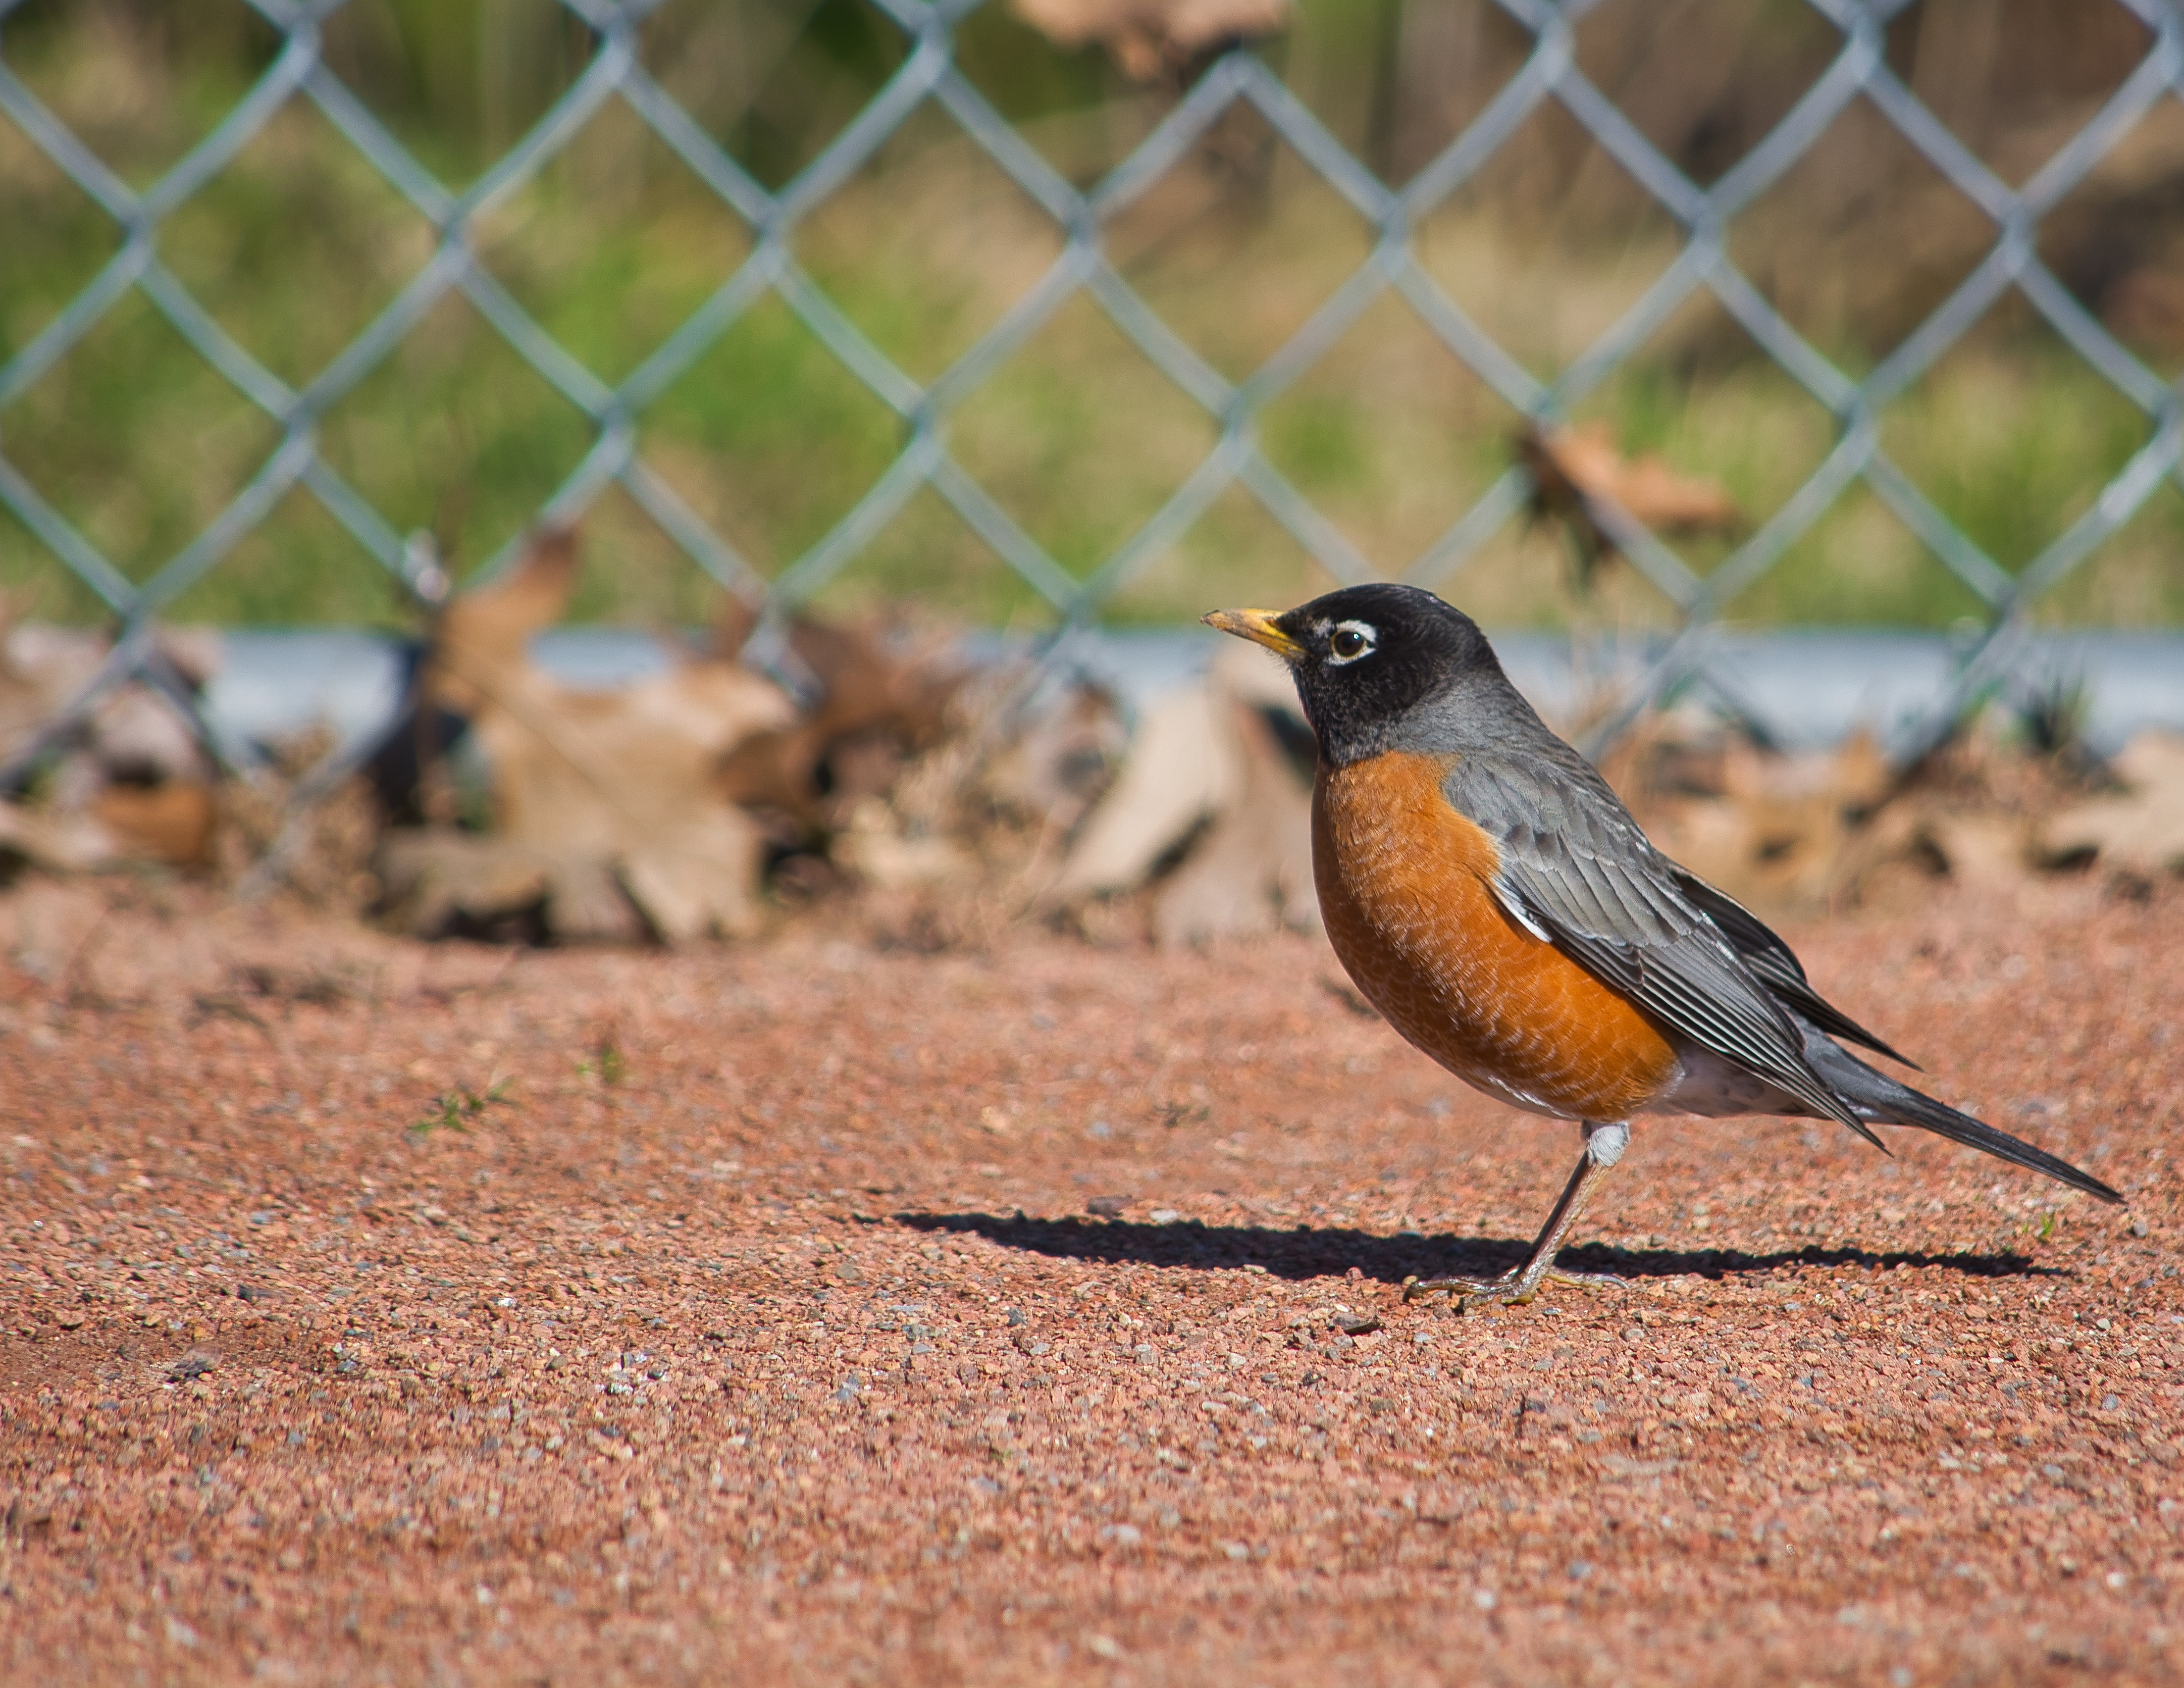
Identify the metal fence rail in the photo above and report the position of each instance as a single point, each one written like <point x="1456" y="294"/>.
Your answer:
<point x="617" y="71"/>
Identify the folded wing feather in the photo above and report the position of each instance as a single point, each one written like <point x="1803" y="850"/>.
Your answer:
<point x="1575" y="866"/>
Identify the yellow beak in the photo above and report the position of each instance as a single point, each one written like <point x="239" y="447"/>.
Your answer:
<point x="1258" y="627"/>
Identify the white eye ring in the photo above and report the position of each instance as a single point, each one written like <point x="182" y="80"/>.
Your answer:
<point x="1364" y="635"/>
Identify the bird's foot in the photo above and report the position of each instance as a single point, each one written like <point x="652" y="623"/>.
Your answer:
<point x="1514" y="1288"/>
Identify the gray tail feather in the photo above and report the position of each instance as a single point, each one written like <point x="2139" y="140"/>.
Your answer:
<point x="1875" y="1096"/>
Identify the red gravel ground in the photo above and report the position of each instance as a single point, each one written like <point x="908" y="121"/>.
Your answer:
<point x="372" y="1312"/>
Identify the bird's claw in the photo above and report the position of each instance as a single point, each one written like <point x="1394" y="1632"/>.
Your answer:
<point x="1514" y="1288"/>
<point x="1507" y="1290"/>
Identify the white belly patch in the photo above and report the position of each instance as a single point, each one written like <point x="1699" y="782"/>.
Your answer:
<point x="1714" y="1088"/>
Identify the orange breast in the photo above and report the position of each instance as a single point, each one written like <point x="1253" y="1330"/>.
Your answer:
<point x="1404" y="889"/>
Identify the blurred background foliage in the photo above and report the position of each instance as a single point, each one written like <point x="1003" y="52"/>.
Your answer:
<point x="298" y="243"/>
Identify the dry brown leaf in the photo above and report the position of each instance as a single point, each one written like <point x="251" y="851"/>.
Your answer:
<point x="1778" y="830"/>
<point x="699" y="876"/>
<point x="433" y="878"/>
<point x="1184" y="767"/>
<point x="41" y="668"/>
<point x="1206" y="770"/>
<point x="1990" y="851"/>
<point x="1147" y="36"/>
<point x="1585" y="462"/>
<point x="1052" y="768"/>
<point x="1251" y="873"/>
<point x="879" y="704"/>
<point x="1581" y="477"/>
<point x="137" y="736"/>
<point x="58" y="843"/>
<point x="880" y="851"/>
<point x="608" y="793"/>
<point x="484" y="634"/>
<point x="175" y="823"/>
<point x="130" y="781"/>
<point x="133" y="733"/>
<point x="2139" y="832"/>
<point x="622" y="778"/>
<point x="435" y="883"/>
<point x="1898" y="833"/>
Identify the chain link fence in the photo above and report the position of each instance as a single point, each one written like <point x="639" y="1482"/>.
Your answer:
<point x="615" y="413"/>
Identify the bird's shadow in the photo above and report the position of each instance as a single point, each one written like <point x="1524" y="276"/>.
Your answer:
<point x="1308" y="1251"/>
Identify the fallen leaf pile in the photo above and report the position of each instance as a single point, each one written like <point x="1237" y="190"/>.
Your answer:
<point x="1208" y="820"/>
<point x="1780" y="831"/>
<point x="1794" y="834"/>
<point x="872" y="773"/>
<point x="607" y="821"/>
<point x="686" y="805"/>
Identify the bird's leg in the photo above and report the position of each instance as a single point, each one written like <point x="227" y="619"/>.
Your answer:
<point x="1603" y="1147"/>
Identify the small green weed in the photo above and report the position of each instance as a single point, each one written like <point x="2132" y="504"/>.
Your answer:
<point x="606" y="1061"/>
<point x="456" y="1109"/>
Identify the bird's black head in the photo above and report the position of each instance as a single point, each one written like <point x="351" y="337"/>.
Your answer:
<point x="1376" y="666"/>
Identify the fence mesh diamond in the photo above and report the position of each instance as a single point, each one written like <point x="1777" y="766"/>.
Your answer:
<point x="1081" y="271"/>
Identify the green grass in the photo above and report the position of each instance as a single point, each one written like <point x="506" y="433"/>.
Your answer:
<point x="459" y="1109"/>
<point x="298" y="244"/>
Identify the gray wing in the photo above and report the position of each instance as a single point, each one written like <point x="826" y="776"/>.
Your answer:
<point x="1578" y="871"/>
<point x="1774" y="962"/>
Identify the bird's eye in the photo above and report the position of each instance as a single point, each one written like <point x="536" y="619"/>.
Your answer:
<point x="1351" y="640"/>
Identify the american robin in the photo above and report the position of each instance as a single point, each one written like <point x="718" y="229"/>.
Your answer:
<point x="1493" y="898"/>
